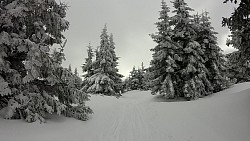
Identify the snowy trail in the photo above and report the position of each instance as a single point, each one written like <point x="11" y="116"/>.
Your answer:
<point x="133" y="117"/>
<point x="128" y="126"/>
<point x="127" y="121"/>
<point x="140" y="116"/>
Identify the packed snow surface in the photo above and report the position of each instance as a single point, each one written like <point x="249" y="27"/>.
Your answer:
<point x="140" y="116"/>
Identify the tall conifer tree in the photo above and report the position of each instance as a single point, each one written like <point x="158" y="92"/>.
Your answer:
<point x="87" y="66"/>
<point x="180" y="66"/>
<point x="193" y="70"/>
<point x="70" y="69"/>
<point x="238" y="24"/>
<point x="214" y="59"/>
<point x="165" y="55"/>
<point x="136" y="79"/>
<point x="115" y="75"/>
<point x="105" y="78"/>
<point x="32" y="80"/>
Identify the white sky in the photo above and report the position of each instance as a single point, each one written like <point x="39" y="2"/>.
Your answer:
<point x="131" y="22"/>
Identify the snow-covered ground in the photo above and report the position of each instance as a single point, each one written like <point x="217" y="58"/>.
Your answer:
<point x="139" y="116"/>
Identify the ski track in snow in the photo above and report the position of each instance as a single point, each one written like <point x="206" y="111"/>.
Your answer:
<point x="130" y="119"/>
<point x="129" y="122"/>
<point x="127" y="127"/>
<point x="139" y="116"/>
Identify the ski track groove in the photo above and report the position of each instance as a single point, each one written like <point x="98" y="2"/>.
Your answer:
<point x="130" y="125"/>
<point x="130" y="120"/>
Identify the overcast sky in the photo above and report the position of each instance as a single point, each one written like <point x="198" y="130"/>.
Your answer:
<point x="131" y="22"/>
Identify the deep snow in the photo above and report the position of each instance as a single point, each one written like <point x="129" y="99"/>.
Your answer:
<point x="140" y="116"/>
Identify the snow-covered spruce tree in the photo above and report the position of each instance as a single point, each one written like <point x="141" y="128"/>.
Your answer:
<point x="187" y="61"/>
<point x="32" y="80"/>
<point x="76" y="72"/>
<point x="142" y="72"/>
<point x="78" y="80"/>
<point x="125" y="85"/>
<point x="67" y="87"/>
<point x="214" y="59"/>
<point x="165" y="57"/>
<point x="69" y="68"/>
<point x="193" y="72"/>
<point x="234" y="73"/>
<point x="114" y="73"/>
<point x="239" y="26"/>
<point x="134" y="83"/>
<point x="87" y="67"/>
<point x="143" y="77"/>
<point x="105" y="78"/>
<point x="136" y="79"/>
<point x="146" y="79"/>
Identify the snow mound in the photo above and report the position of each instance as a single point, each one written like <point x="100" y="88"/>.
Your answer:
<point x="140" y="116"/>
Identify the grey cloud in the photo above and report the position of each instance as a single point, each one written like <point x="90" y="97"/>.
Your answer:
<point x="131" y="22"/>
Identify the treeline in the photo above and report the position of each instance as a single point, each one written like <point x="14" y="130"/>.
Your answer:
<point x="138" y="79"/>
